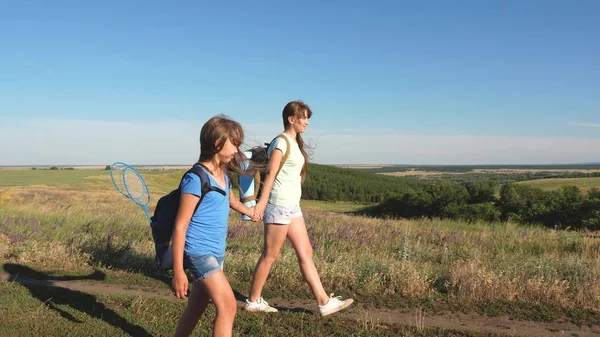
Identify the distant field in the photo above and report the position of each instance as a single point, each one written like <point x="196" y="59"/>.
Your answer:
<point x="338" y="206"/>
<point x="419" y="173"/>
<point x="48" y="177"/>
<point x="482" y="171"/>
<point x="535" y="170"/>
<point x="93" y="167"/>
<point x="554" y="183"/>
<point x="159" y="183"/>
<point x="363" y="166"/>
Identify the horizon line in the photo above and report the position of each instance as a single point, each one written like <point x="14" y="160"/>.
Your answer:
<point x="341" y="164"/>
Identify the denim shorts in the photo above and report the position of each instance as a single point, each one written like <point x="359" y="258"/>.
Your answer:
<point x="281" y="215"/>
<point x="202" y="266"/>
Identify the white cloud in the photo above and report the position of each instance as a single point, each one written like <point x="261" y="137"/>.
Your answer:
<point x="586" y="125"/>
<point x="81" y="142"/>
<point x="453" y="149"/>
<point x="73" y="142"/>
<point x="373" y="131"/>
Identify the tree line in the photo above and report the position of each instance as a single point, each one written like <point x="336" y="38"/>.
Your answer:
<point x="567" y="207"/>
<point x="332" y="183"/>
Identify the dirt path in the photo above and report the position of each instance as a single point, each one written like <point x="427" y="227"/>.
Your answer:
<point x="447" y="320"/>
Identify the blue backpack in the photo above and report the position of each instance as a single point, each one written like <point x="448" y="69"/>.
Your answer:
<point x="165" y="213"/>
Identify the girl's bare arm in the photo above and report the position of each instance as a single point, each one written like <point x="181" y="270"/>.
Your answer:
<point x="187" y="206"/>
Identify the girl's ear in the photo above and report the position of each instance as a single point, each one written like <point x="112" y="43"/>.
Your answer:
<point x="217" y="143"/>
<point x="292" y="119"/>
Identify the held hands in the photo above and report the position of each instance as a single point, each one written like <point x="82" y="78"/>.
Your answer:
<point x="259" y="211"/>
<point x="250" y="212"/>
<point x="256" y="213"/>
<point x="180" y="285"/>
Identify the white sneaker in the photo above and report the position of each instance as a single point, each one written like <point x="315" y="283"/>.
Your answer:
<point x="259" y="305"/>
<point x="334" y="305"/>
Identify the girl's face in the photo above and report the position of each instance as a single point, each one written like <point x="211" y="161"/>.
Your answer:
<point x="228" y="152"/>
<point x="299" y="123"/>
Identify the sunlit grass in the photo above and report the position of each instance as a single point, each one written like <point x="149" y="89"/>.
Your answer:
<point x="442" y="265"/>
<point x="555" y="183"/>
<point x="49" y="177"/>
<point x="418" y="259"/>
<point x="45" y="311"/>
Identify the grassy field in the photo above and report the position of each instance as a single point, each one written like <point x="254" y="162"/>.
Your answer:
<point x="583" y="184"/>
<point x="79" y="228"/>
<point x="158" y="181"/>
<point x="49" y="177"/>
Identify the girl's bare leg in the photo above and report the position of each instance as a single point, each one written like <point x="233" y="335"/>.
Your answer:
<point x="274" y="237"/>
<point x="299" y="238"/>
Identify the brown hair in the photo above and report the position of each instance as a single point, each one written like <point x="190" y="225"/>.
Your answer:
<point x="297" y="109"/>
<point x="215" y="132"/>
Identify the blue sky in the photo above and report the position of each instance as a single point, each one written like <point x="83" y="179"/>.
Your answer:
<point x="401" y="82"/>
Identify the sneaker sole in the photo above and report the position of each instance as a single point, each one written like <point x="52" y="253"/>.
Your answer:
<point x="341" y="307"/>
<point x="257" y="310"/>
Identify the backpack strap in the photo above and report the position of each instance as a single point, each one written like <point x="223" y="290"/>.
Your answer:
<point x="286" y="154"/>
<point x="205" y="186"/>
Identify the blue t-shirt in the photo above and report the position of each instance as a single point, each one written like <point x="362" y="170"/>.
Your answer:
<point x="207" y="232"/>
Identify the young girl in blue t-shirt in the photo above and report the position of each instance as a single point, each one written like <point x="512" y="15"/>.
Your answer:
<point x="199" y="235"/>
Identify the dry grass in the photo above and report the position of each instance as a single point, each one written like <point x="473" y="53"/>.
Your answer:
<point x="470" y="279"/>
<point x="50" y="255"/>
<point x="6" y="246"/>
<point x="6" y="195"/>
<point x="421" y="259"/>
